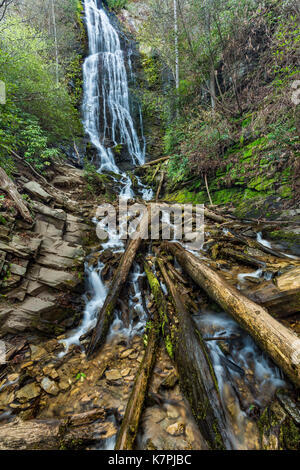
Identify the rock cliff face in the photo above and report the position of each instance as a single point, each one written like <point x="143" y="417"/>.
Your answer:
<point x="42" y="264"/>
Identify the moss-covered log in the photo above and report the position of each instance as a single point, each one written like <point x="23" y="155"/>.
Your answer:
<point x="275" y="339"/>
<point x="128" y="431"/>
<point x="196" y="375"/>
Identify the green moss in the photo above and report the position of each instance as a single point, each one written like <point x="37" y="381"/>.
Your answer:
<point x="290" y="435"/>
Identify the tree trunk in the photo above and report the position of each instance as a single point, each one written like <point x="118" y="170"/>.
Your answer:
<point x="73" y="432"/>
<point x="127" y="434"/>
<point x="55" y="40"/>
<point x="274" y="338"/>
<point x="281" y="298"/>
<point x="188" y="350"/>
<point x="106" y="313"/>
<point x="10" y="188"/>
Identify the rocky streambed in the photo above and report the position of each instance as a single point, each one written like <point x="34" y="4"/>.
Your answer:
<point x="69" y="401"/>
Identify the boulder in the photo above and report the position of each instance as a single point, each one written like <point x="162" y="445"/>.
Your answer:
<point x="36" y="190"/>
<point x="49" y="386"/>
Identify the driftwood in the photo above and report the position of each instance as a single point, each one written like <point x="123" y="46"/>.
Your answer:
<point x="7" y="185"/>
<point x="130" y="423"/>
<point x="188" y="350"/>
<point x="105" y="316"/>
<point x="274" y="338"/>
<point x="73" y="432"/>
<point x="281" y="298"/>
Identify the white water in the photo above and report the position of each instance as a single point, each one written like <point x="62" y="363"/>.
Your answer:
<point x="107" y="116"/>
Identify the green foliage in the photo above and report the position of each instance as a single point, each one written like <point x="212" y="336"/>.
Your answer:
<point x="116" y="5"/>
<point x="39" y="113"/>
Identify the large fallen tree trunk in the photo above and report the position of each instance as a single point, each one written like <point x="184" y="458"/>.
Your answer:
<point x="128" y="431"/>
<point x="105" y="316"/>
<point x="74" y="432"/>
<point x="188" y="350"/>
<point x="7" y="185"/>
<point x="274" y="338"/>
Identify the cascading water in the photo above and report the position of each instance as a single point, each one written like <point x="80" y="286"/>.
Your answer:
<point x="107" y="118"/>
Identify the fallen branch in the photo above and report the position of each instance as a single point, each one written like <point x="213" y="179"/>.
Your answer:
<point x="7" y="185"/>
<point x="255" y="244"/>
<point x="274" y="338"/>
<point x="105" y="316"/>
<point x="154" y="162"/>
<point x="130" y="423"/>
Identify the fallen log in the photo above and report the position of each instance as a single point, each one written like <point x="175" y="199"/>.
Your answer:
<point x="281" y="344"/>
<point x="154" y="162"/>
<point x="7" y="185"/>
<point x="105" y="316"/>
<point x="281" y="298"/>
<point x="73" y="432"/>
<point x="188" y="350"/>
<point x="241" y="257"/>
<point x="255" y="244"/>
<point x="215" y="217"/>
<point x="128" y="431"/>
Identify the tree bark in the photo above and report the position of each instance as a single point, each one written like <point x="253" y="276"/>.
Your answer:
<point x="105" y="316"/>
<point x="154" y="162"/>
<point x="74" y="431"/>
<point x="276" y="340"/>
<point x="10" y="188"/>
<point x="186" y="347"/>
<point x="127" y="434"/>
<point x="281" y="298"/>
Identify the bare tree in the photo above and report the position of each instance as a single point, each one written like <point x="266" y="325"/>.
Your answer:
<point x="4" y="4"/>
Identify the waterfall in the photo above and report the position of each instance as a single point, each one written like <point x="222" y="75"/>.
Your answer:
<point x="107" y="119"/>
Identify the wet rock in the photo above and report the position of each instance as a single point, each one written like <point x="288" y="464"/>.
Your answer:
<point x="28" y="392"/>
<point x="36" y="190"/>
<point x="126" y="353"/>
<point x="48" y="211"/>
<point x="125" y="372"/>
<point x="37" y="352"/>
<point x="53" y="278"/>
<point x="176" y="429"/>
<point x="113" y="374"/>
<point x="49" y="386"/>
<point x="50" y="372"/>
